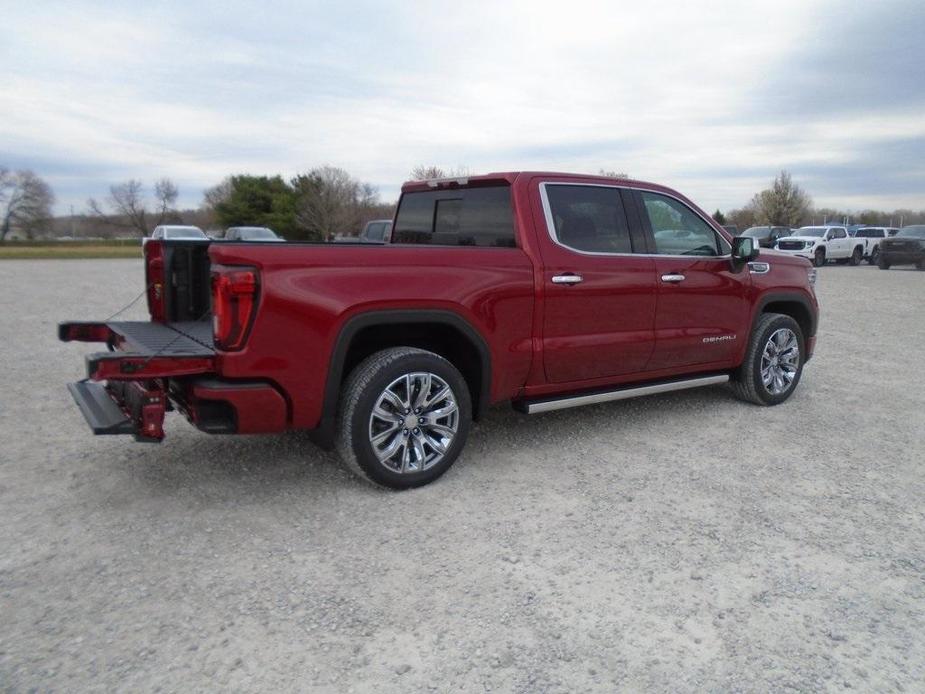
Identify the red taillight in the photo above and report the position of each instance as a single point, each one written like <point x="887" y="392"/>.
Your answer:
<point x="234" y="298"/>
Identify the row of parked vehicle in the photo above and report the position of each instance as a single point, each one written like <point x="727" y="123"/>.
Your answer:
<point x="176" y="232"/>
<point x="881" y="246"/>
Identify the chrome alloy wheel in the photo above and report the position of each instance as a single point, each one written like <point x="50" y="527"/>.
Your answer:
<point x="413" y="422"/>
<point x="780" y="361"/>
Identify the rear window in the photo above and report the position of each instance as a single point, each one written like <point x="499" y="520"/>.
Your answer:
<point x="464" y="217"/>
<point x="870" y="234"/>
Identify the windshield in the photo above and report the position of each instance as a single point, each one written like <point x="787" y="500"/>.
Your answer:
<point x="184" y="233"/>
<point x="757" y="232"/>
<point x="915" y="232"/>
<point x="869" y="233"/>
<point x="810" y="231"/>
<point x="255" y="233"/>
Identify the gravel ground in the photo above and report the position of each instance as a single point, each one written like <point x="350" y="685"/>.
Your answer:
<point x="676" y="543"/>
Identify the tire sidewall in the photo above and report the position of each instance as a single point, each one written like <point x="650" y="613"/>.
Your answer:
<point x="359" y="434"/>
<point x="819" y="257"/>
<point x="780" y="322"/>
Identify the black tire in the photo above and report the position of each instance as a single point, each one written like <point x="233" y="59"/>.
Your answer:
<point x="856" y="256"/>
<point x="921" y="265"/>
<point x="359" y="396"/>
<point x="874" y="257"/>
<point x="882" y="263"/>
<point x="747" y="383"/>
<point x="819" y="257"/>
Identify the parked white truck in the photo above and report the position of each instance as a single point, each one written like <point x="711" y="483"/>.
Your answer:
<point x="824" y="243"/>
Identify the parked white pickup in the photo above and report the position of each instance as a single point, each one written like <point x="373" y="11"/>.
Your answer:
<point x="873" y="236"/>
<point x="824" y="243"/>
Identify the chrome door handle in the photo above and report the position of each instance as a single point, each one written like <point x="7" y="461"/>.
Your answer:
<point x="566" y="279"/>
<point x="673" y="278"/>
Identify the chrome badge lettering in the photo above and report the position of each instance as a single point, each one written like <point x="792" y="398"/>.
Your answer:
<point x="720" y="338"/>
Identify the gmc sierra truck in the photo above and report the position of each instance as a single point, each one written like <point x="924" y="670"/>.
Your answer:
<point x="544" y="290"/>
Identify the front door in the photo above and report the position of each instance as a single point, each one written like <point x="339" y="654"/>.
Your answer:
<point x="599" y="298"/>
<point x="702" y="312"/>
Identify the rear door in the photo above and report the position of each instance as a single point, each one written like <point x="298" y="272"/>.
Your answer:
<point x="702" y="312"/>
<point x="599" y="297"/>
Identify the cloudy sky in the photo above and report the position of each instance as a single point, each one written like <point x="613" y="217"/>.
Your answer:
<point x="712" y="98"/>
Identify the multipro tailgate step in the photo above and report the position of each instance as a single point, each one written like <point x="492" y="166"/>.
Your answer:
<point x="143" y="349"/>
<point x="99" y="409"/>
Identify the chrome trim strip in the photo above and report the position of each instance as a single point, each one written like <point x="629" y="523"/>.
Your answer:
<point x="622" y="394"/>
<point x="759" y="267"/>
<point x="551" y="229"/>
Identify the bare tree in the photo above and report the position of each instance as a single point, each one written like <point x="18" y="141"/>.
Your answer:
<point x="783" y="204"/>
<point x="128" y="207"/>
<point x="425" y="173"/>
<point x="329" y="201"/>
<point x="25" y="202"/>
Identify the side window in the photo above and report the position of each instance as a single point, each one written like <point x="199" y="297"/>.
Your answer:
<point x="463" y="217"/>
<point x="840" y="233"/>
<point x="588" y="218"/>
<point x="677" y="229"/>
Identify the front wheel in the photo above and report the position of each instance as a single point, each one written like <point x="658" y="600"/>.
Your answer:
<point x="404" y="417"/>
<point x="773" y="361"/>
<point x="856" y="256"/>
<point x="882" y="263"/>
<point x="819" y="257"/>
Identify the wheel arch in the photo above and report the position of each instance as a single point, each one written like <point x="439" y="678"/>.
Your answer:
<point x="790" y="304"/>
<point x="440" y="331"/>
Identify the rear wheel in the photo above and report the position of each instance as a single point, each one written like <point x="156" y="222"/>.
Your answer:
<point x="404" y="418"/>
<point x="819" y="257"/>
<point x="882" y="263"/>
<point x="773" y="362"/>
<point x="856" y="256"/>
<point x="875" y="256"/>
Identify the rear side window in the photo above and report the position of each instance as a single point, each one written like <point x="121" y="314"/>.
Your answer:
<point x="677" y="229"/>
<point x="589" y="218"/>
<point x="464" y="217"/>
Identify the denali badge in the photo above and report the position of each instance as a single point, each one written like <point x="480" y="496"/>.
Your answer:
<point x="720" y="338"/>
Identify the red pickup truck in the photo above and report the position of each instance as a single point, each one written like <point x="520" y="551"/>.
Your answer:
<point x="545" y="290"/>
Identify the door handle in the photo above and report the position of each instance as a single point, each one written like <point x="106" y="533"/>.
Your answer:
<point x="570" y="278"/>
<point x="673" y="278"/>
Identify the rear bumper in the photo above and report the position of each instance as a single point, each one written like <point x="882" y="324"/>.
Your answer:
<point x="231" y="407"/>
<point x="152" y="368"/>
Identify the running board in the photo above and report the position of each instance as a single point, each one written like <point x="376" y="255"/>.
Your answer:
<point x="547" y="405"/>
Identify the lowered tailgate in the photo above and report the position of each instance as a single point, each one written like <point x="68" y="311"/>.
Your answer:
<point x="140" y="356"/>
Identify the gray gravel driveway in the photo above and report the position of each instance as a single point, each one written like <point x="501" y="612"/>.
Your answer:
<point x="677" y="543"/>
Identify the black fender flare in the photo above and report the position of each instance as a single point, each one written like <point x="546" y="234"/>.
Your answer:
<point x="323" y="435"/>
<point x="794" y="297"/>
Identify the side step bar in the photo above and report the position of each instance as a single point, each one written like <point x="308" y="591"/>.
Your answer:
<point x="549" y="404"/>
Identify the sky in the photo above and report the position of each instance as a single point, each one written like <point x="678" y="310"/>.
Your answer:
<point x="711" y="98"/>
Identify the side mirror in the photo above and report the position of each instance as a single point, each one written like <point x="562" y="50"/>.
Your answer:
<point x="744" y="249"/>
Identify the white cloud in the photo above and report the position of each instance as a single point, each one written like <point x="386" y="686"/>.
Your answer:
<point x="670" y="93"/>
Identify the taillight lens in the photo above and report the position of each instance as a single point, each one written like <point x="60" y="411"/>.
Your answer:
<point x="234" y="300"/>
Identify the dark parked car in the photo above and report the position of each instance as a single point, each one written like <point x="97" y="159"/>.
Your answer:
<point x="251" y="234"/>
<point x="767" y="236"/>
<point x="906" y="248"/>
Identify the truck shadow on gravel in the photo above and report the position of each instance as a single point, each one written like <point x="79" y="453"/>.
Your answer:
<point x="266" y="466"/>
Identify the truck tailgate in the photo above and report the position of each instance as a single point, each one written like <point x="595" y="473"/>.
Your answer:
<point x="144" y="349"/>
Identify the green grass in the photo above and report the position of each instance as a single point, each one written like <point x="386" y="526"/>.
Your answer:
<point x="27" y="250"/>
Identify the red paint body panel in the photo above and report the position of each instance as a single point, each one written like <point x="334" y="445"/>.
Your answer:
<point x="259" y="407"/>
<point x="309" y="292"/>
